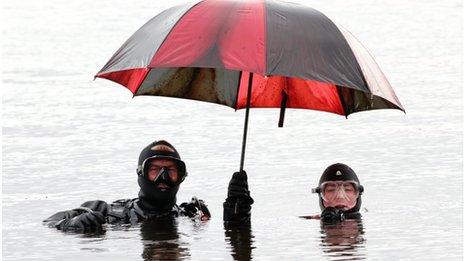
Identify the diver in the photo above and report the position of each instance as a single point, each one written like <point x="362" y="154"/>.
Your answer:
<point x="339" y="193"/>
<point x="160" y="172"/>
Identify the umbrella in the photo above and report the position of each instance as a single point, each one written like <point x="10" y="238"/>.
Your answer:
<point x="242" y="54"/>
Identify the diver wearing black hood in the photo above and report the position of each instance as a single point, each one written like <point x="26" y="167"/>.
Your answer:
<point x="151" y="197"/>
<point x="160" y="172"/>
<point x="339" y="193"/>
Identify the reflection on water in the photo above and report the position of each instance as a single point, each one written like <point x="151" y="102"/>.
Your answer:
<point x="89" y="240"/>
<point x="240" y="239"/>
<point x="161" y="240"/>
<point x="342" y="241"/>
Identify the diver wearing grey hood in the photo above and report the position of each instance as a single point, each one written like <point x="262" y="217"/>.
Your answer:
<point x="160" y="172"/>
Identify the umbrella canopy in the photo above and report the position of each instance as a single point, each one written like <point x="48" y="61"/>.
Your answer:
<point x="275" y="54"/>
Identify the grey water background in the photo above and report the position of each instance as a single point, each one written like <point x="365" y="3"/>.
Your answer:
<point x="67" y="139"/>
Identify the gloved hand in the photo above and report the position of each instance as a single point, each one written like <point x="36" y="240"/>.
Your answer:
<point x="196" y="207"/>
<point x="87" y="221"/>
<point x="238" y="189"/>
<point x="237" y="207"/>
<point x="332" y="215"/>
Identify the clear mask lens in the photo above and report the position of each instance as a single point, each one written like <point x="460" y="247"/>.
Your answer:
<point x="339" y="190"/>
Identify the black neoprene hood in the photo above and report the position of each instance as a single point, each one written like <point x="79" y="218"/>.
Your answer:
<point x="340" y="172"/>
<point x="150" y="153"/>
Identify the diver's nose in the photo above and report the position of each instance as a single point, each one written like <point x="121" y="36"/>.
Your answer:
<point x="164" y="173"/>
<point x="340" y="194"/>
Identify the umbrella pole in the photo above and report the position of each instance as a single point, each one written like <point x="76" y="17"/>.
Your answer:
<point x="245" y="127"/>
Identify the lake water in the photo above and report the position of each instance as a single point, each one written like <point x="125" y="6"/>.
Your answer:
<point x="68" y="139"/>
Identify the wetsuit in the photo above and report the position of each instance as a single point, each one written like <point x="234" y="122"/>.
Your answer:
<point x="92" y="214"/>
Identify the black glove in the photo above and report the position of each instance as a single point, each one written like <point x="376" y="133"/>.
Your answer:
<point x="87" y="221"/>
<point x="238" y="189"/>
<point x="196" y="207"/>
<point x="237" y="207"/>
<point x="332" y="215"/>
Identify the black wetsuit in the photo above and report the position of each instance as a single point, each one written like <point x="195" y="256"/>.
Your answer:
<point x="123" y="211"/>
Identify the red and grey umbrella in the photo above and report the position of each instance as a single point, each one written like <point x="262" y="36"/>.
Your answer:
<point x="242" y="54"/>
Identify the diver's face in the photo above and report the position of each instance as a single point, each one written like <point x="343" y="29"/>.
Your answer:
<point x="154" y="170"/>
<point x="339" y="194"/>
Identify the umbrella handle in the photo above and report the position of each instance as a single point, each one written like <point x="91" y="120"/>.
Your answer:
<point x="245" y="127"/>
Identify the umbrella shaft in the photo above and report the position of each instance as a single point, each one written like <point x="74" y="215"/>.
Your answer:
<point x="245" y="127"/>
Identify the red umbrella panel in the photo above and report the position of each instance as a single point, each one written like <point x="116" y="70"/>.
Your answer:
<point x="276" y="54"/>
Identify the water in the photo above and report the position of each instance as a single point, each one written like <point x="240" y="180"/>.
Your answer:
<point x="68" y="139"/>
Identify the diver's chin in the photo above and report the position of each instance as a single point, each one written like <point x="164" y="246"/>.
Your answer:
<point x="343" y="207"/>
<point x="339" y="206"/>
<point x="163" y="187"/>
